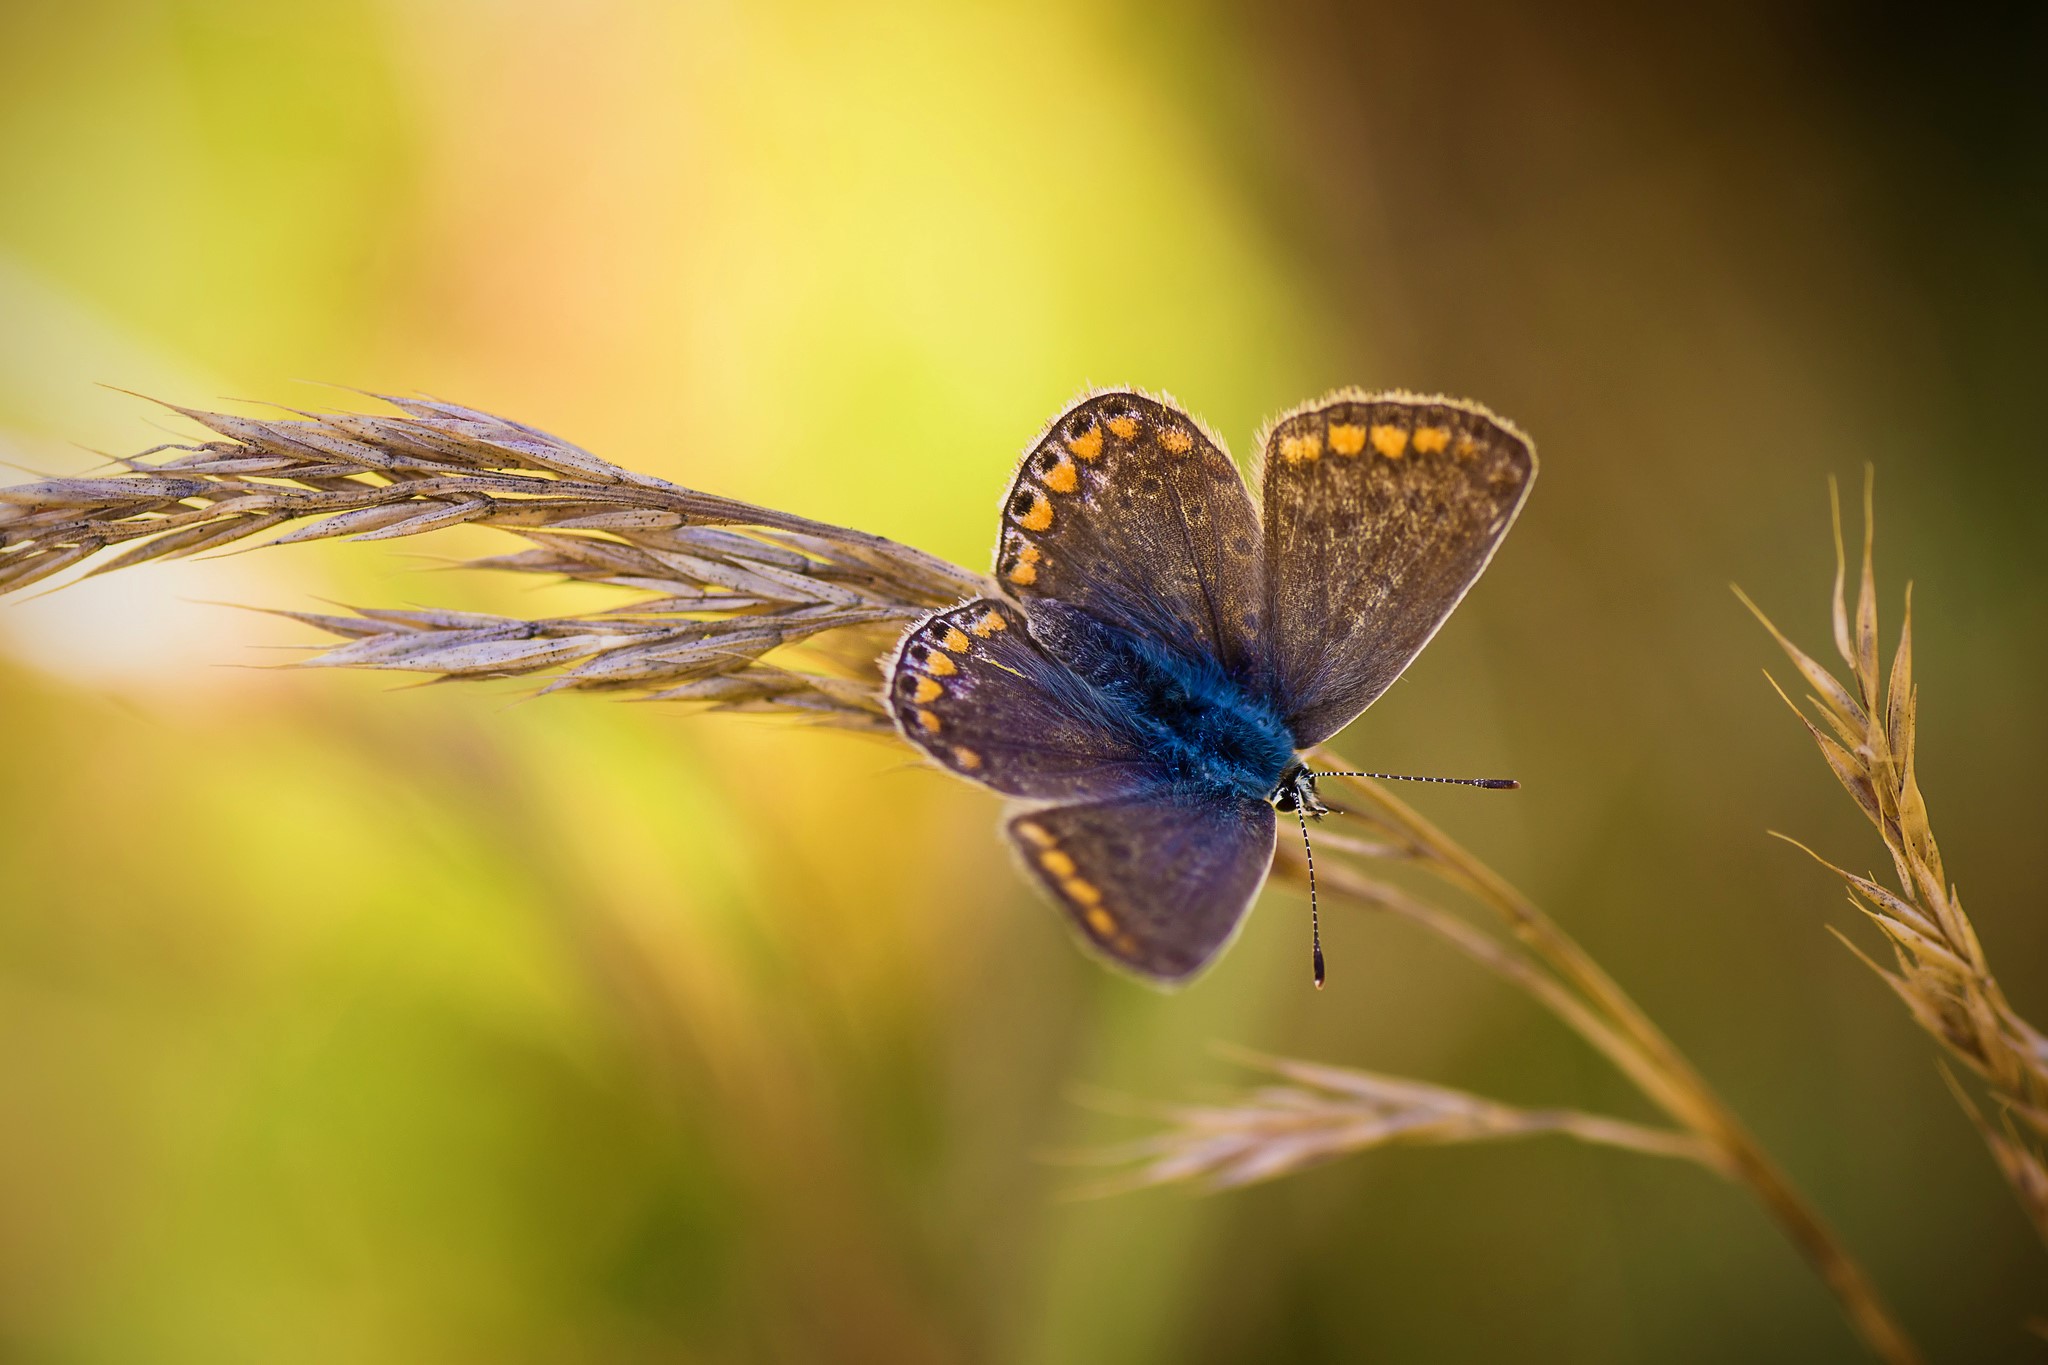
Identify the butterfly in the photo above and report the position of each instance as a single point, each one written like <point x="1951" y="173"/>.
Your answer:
<point x="1158" y="649"/>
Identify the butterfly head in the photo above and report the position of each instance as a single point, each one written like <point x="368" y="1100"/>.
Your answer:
<point x="1297" y="792"/>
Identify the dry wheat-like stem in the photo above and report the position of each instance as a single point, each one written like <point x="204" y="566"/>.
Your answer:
<point x="1331" y="1112"/>
<point x="723" y="584"/>
<point x="1940" y="970"/>
<point x="718" y="584"/>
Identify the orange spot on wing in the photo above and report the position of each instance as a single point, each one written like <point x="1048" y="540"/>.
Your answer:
<point x="1101" y="921"/>
<point x="1389" y="441"/>
<point x="1466" y="448"/>
<point x="928" y="722"/>
<point x="1063" y="477"/>
<point x="1057" y="863"/>
<point x="1088" y="444"/>
<point x="1176" y="440"/>
<point x="955" y="639"/>
<point x="1300" y="449"/>
<point x="1124" y="427"/>
<point x="1127" y="945"/>
<point x="1430" y="440"/>
<point x="926" y="690"/>
<point x="989" y="624"/>
<point x="940" y="666"/>
<point x="1023" y="570"/>
<point x="1082" y="891"/>
<point x="1039" y="517"/>
<point x="966" y="757"/>
<point x="1346" y="438"/>
<point x="1033" y="833"/>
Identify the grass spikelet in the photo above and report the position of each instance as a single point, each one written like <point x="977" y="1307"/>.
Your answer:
<point x="715" y="584"/>
<point x="1327" y="1112"/>
<point x="1938" y="969"/>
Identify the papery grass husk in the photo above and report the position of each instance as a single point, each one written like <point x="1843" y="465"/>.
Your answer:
<point x="710" y="585"/>
<point x="1939" y="969"/>
<point x="741" y="607"/>
<point x="1330" y="1112"/>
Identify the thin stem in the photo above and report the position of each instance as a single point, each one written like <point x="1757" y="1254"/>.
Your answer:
<point x="1655" y="1064"/>
<point x="1505" y="963"/>
<point x="1634" y="1137"/>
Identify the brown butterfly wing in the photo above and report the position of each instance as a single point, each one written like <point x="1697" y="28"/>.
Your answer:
<point x="1380" y="512"/>
<point x="1127" y="510"/>
<point x="1158" y="883"/>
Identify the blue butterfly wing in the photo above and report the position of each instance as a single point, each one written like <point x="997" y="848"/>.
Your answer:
<point x="1156" y="883"/>
<point x="1380" y="512"/>
<point x="973" y="689"/>
<point x="1155" y="873"/>
<point x="1126" y="509"/>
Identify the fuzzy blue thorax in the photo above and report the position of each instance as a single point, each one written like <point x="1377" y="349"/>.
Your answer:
<point x="1205" y="729"/>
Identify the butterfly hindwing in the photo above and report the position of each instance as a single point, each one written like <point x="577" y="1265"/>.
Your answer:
<point x="1158" y="882"/>
<point x="1127" y="510"/>
<point x="1380" y="512"/>
<point x="970" y="687"/>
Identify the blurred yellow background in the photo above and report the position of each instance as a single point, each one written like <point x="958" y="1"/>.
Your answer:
<point x="341" y="1023"/>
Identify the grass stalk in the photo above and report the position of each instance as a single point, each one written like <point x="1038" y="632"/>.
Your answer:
<point x="1589" y="1002"/>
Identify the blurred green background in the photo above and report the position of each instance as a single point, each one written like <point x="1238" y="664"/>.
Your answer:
<point x="341" y="1023"/>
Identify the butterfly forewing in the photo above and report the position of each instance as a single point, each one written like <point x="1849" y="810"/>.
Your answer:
<point x="1158" y="883"/>
<point x="1126" y="510"/>
<point x="1380" y="512"/>
<point x="971" y="688"/>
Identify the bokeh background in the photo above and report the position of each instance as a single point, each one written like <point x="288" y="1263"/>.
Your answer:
<point x="346" y="1023"/>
